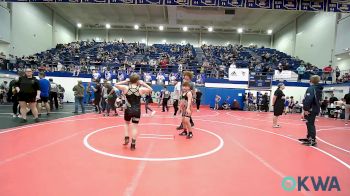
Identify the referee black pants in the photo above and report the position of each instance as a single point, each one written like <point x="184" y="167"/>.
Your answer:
<point x="54" y="99"/>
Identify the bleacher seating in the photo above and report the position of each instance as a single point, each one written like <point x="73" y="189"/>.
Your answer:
<point x="85" y="56"/>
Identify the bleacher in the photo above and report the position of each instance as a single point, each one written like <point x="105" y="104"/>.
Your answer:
<point x="87" y="56"/>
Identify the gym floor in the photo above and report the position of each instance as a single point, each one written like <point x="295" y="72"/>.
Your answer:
<point x="231" y="153"/>
<point x="7" y="121"/>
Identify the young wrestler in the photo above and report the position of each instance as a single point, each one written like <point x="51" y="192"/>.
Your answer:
<point x="186" y="99"/>
<point x="133" y="89"/>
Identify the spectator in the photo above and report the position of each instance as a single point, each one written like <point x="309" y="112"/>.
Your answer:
<point x="3" y="61"/>
<point x="160" y="78"/>
<point x="345" y="78"/>
<point x="13" y="62"/>
<point x="347" y="108"/>
<point x="13" y="95"/>
<point x="79" y="96"/>
<point x="88" y="93"/>
<point x="338" y="108"/>
<point x="165" y="96"/>
<point x="28" y="89"/>
<point x="337" y="74"/>
<point x="235" y="105"/>
<point x="311" y="107"/>
<point x="245" y="102"/>
<point x="327" y="71"/>
<point x="332" y="99"/>
<point x="217" y="100"/>
<point x="286" y="105"/>
<point x="53" y="94"/>
<point x="4" y="91"/>
<point x="97" y="94"/>
<point x="44" y="93"/>
<point x="198" y="98"/>
<point x="278" y="104"/>
<point x="111" y="98"/>
<point x="61" y="94"/>
<point x="301" y="71"/>
<point x="176" y="95"/>
<point x="324" y="106"/>
<point x="265" y="102"/>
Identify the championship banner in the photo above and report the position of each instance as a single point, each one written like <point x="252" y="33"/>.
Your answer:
<point x="309" y="5"/>
<point x="236" y="74"/>
<point x="283" y="75"/>
<point x="339" y="6"/>
<point x="286" y="4"/>
<point x="231" y="3"/>
<point x="265" y="4"/>
<point x="204" y="2"/>
<point x="305" y="5"/>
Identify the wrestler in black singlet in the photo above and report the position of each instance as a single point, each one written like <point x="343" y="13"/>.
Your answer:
<point x="185" y="97"/>
<point x="133" y="105"/>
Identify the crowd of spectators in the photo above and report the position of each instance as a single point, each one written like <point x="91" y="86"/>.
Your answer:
<point x="84" y="57"/>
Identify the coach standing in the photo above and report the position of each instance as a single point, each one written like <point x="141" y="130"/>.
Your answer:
<point x="79" y="96"/>
<point x="311" y="107"/>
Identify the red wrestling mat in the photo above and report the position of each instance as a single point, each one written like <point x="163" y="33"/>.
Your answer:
<point x="231" y="153"/>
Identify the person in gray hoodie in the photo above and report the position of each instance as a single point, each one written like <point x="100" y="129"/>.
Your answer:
<point x="311" y="107"/>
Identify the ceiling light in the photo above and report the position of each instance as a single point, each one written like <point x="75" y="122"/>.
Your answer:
<point x="269" y="31"/>
<point x="210" y="29"/>
<point x="161" y="28"/>
<point x="108" y="26"/>
<point x="204" y="42"/>
<point x="143" y="41"/>
<point x="136" y="27"/>
<point x="338" y="59"/>
<point x="240" y="30"/>
<point x="79" y="25"/>
<point x="164" y="41"/>
<point x="185" y="28"/>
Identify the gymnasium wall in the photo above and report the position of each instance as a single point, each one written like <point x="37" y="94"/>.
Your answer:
<point x="5" y="24"/>
<point x="343" y="37"/>
<point x="4" y="47"/>
<point x="220" y="39"/>
<point x="31" y="29"/>
<point x="285" y="38"/>
<point x="315" y="37"/>
<point x="311" y="37"/>
<point x="63" y="31"/>
<point x="35" y="28"/>
<point x="193" y="38"/>
<point x="344" y="63"/>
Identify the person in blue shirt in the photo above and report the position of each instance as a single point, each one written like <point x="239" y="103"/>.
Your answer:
<point x="301" y="70"/>
<point x="44" y="93"/>
<point x="311" y="107"/>
<point x="286" y="105"/>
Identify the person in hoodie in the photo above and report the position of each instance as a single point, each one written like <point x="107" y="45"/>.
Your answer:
<point x="79" y="96"/>
<point x="311" y="107"/>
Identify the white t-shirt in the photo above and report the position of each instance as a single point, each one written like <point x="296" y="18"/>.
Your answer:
<point x="148" y="78"/>
<point x="180" y="68"/>
<point x="96" y="75"/>
<point x="160" y="79"/>
<point x="177" y="91"/>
